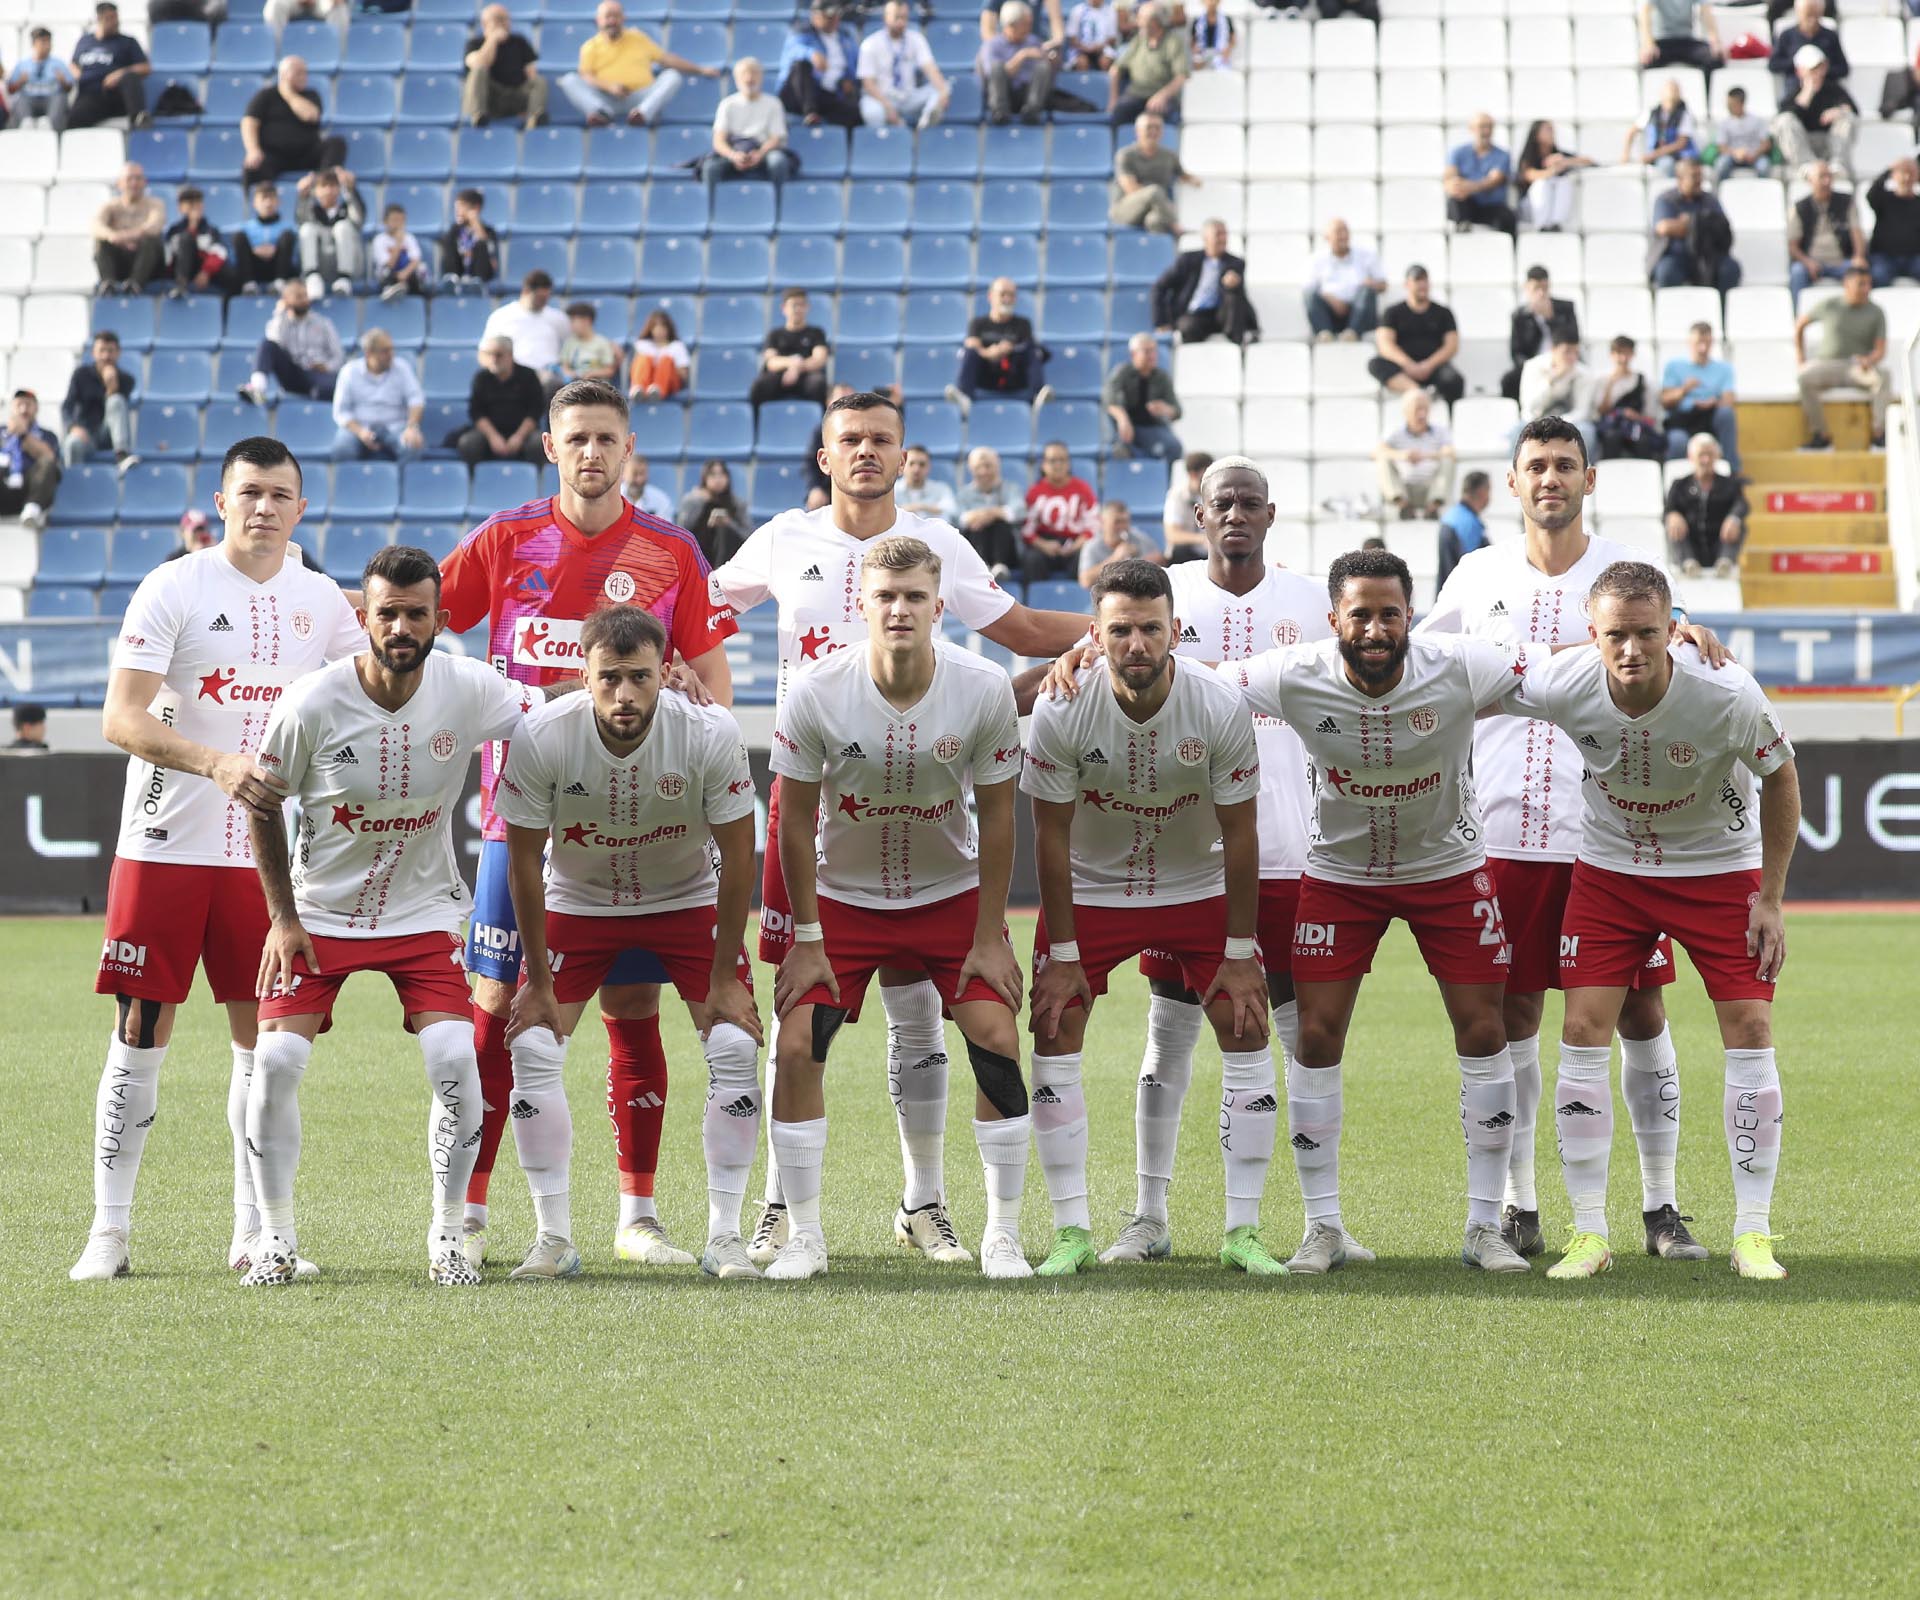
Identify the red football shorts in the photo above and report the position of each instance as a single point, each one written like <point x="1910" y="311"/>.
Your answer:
<point x="1192" y="936"/>
<point x="1279" y="898"/>
<point x="581" y="951"/>
<point x="932" y="936"/>
<point x="165" y="918"/>
<point x="1533" y="899"/>
<point x="1614" y="919"/>
<point x="1456" y="922"/>
<point x="776" y="910"/>
<point x="428" y="970"/>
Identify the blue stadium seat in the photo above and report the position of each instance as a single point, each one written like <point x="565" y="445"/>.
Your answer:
<point x="723" y="427"/>
<point x="429" y="100"/>
<point x="965" y="104"/>
<point x="366" y="100"/>
<point x="743" y="208"/>
<point x="723" y="370"/>
<point x="866" y="367"/>
<point x="926" y="370"/>
<point x="127" y="316"/>
<point x="1076" y="261"/>
<point x="228" y="95"/>
<point x="350" y="546"/>
<point x="1082" y="151"/>
<point x="1004" y="425"/>
<point x="49" y="602"/>
<point x="137" y="551"/>
<point x="617" y="152"/>
<point x="616" y="208"/>
<point x="868" y="319"/>
<point x="1008" y="255"/>
<point x="205" y="483"/>
<point x="226" y="205"/>
<point x="882" y="207"/>
<point x="954" y="45"/>
<point x="936" y="316"/>
<point x="603" y="265"/>
<point x="941" y="207"/>
<point x="224" y="423"/>
<point x="313" y="40"/>
<point x="239" y="47"/>
<point x="1074" y="316"/>
<point x="710" y="10"/>
<point x="807" y="207"/>
<point x="807" y="260"/>
<point x="181" y="47"/>
<point x="763" y="40"/>
<point x="682" y="309"/>
<point x="438" y="539"/>
<point x="425" y="205"/>
<point x="423" y="155"/>
<point x="1089" y="86"/>
<point x="231" y="369"/>
<point x="694" y="106"/>
<point x="248" y="315"/>
<point x="555" y="154"/>
<point x="737" y="264"/>
<point x="453" y="10"/>
<point x="161" y="151"/>
<point x="676" y="148"/>
<point x="543" y="208"/>
<point x="942" y="261"/>
<point x="822" y="150"/>
<point x="786" y="426"/>
<point x="1014" y="148"/>
<point x="535" y="253"/>
<point x="936" y="424"/>
<point x="456" y="322"/>
<point x="1076" y="423"/>
<point x="376" y="46"/>
<point x="1056" y="594"/>
<point x="176" y="377"/>
<point x="882" y="153"/>
<point x="434" y="491"/>
<point x="305" y="427"/>
<point x="670" y="264"/>
<point x="705" y="44"/>
<point x="496" y="196"/>
<point x="738" y="321"/>
<point x="217" y="153"/>
<point x="1010" y="205"/>
<point x="367" y="156"/>
<point x="404" y="321"/>
<point x="367" y="491"/>
<point x="874" y="261"/>
<point x="500" y="483"/>
<point x="1076" y="371"/>
<point x="777" y="486"/>
<point x="166" y="433"/>
<point x="73" y="555"/>
<point x="445" y="420"/>
<point x="676" y="208"/>
<point x="1141" y="484"/>
<point x="153" y="487"/>
<point x="489" y="153"/>
<point x="448" y="374"/>
<point x="435" y="47"/>
<point x="1138" y="259"/>
<point x="660" y="430"/>
<point x="1076" y="208"/>
<point x="559" y="39"/>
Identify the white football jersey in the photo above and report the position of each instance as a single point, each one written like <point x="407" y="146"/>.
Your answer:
<point x="812" y="570"/>
<point x="1283" y="608"/>
<point x="629" y="832"/>
<point x="1671" y="793"/>
<point x="895" y="822"/>
<point x="1393" y="797"/>
<point x="377" y="791"/>
<point x="1526" y="771"/>
<point x="1145" y="831"/>
<point x="227" y="647"/>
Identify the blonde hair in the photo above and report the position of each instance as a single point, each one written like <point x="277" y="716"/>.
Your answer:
<point x="900" y="552"/>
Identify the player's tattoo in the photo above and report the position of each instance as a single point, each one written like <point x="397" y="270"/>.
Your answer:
<point x="269" y="836"/>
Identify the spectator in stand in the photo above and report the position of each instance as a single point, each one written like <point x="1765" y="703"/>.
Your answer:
<point x="623" y="72"/>
<point x="1149" y="74"/>
<point x="918" y="491"/>
<point x="1807" y="28"/>
<point x="1692" y="241"/>
<point x="1416" y="342"/>
<point x="818" y="69"/>
<point x="1536" y="320"/>
<point x="29" y="463"/>
<point x="1125" y="25"/>
<point x="378" y="404"/>
<point x="127" y="235"/>
<point x="900" y="83"/>
<point x="1140" y="404"/>
<point x="636" y="483"/>
<point x="1894" y="200"/>
<point x="660" y="360"/>
<point x="1848" y="347"/>
<point x="1741" y="142"/>
<point x="793" y="360"/>
<point x="1204" y="292"/>
<point x="1665" y="137"/>
<point x="1824" y="236"/>
<point x="1000" y="355"/>
<point x="1817" y="123"/>
<point x="301" y="350"/>
<point x="1416" y="460"/>
<point x="993" y="14"/>
<point x="1012" y="64"/>
<point x="587" y="352"/>
<point x="1476" y="179"/>
<point x="1061" y="513"/>
<point x="817" y="482"/>
<point x="196" y="533"/>
<point x="1706" y="514"/>
<point x="1698" y="397"/>
<point x="1178" y="521"/>
<point x="1679" y="32"/>
<point x="503" y="73"/>
<point x="1092" y="37"/>
<point x="1622" y="417"/>
<point x="96" y="411"/>
<point x="1210" y="39"/>
<point x="40" y="84"/>
<point x="469" y="249"/>
<point x="399" y="262"/>
<point x="1362" y="10"/>
<point x="534" y="329"/>
<point x="196" y="255"/>
<point x="506" y="409"/>
<point x="337" y="13"/>
<point x="1115" y="540"/>
<point x="1461" y="528"/>
<point x="29" y="730"/>
<point x="1544" y="184"/>
<point x="280" y="129"/>
<point x="714" y="514"/>
<point x="263" y="252"/>
<point x="1145" y="174"/>
<point x="1344" y="285"/>
<point x="749" y="133"/>
<point x="992" y="510"/>
<point x="1557" y="383"/>
<point x="331" y="215"/>
<point x="110" y="74"/>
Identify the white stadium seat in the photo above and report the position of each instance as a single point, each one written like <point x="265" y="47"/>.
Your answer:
<point x="1277" y="150"/>
<point x="1343" y="42"/>
<point x="58" y="320"/>
<point x="1357" y="200"/>
<point x="1616" y="311"/>
<point x="71" y="207"/>
<point x="1410" y="96"/>
<point x="1208" y="371"/>
<point x="45" y="370"/>
<point x="1613" y="200"/>
<point x="1562" y="254"/>
<point x="1346" y="151"/>
<point x="1471" y="90"/>
<point x="1277" y="371"/>
<point x="1345" y="427"/>
<point x="1412" y="204"/>
<point x="1279" y="86"/>
<point x="1474" y="42"/>
<point x="19" y="555"/>
<point x="1280" y="310"/>
<point x="1481" y="257"/>
<point x="1279" y="42"/>
<point x="1676" y="310"/>
<point x="9" y="322"/>
<point x="1412" y="147"/>
<point x="92" y="153"/>
<point x="64" y="261"/>
<point x="1342" y="97"/>
<point x="1547" y="92"/>
<point x="1340" y="371"/>
<point x="1276" y="427"/>
<point x="1279" y="258"/>
<point x="29" y="155"/>
<point x="1627" y="489"/>
<point x="1289" y="483"/>
<point x="1222" y="99"/>
<point x="1215" y="421"/>
<point x="1751" y="76"/>
<point x="1752" y="208"/>
<point x="1482" y="425"/>
<point x="24" y="205"/>
<point x="1410" y="42"/>
<point x="1607" y="92"/>
<point x="1214" y="151"/>
<point x="1612" y="37"/>
<point x="1758" y="314"/>
<point x="1766" y="369"/>
<point x="1482" y="311"/>
<point x="1225" y="198"/>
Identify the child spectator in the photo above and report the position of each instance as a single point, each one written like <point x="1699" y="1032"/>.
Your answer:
<point x="399" y="264"/>
<point x="196" y="255"/>
<point x="587" y="353"/>
<point x="39" y="84"/>
<point x="330" y="215"/>
<point x="1740" y="141"/>
<point x="1210" y="39"/>
<point x="1091" y="36"/>
<point x="469" y="249"/>
<point x="1625" y="425"/>
<point x="660" y="360"/>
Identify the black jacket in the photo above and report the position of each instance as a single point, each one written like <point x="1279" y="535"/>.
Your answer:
<point x="1524" y="337"/>
<point x="86" y="402"/>
<point x="1174" y="287"/>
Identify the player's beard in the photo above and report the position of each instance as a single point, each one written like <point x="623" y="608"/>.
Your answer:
<point x="1551" y="519"/>
<point x="642" y="726"/>
<point x="401" y="665"/>
<point x="1139" y="677"/>
<point x="1374" y="669"/>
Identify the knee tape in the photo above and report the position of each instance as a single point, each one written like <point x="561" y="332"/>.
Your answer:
<point x="999" y="1080"/>
<point x="826" y="1023"/>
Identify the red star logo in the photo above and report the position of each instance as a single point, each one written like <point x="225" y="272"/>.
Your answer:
<point x="215" y="683"/>
<point x="1006" y="755"/>
<point x="531" y="637"/>
<point x="740" y="786"/>
<point x="1094" y="798"/>
<point x="347" y="816"/>
<point x="811" y="642"/>
<point x="577" y="833"/>
<point x="1243" y="772"/>
<point x="1519" y="667"/>
<point x="852" y="806"/>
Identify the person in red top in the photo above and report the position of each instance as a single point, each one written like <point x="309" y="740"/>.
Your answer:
<point x="533" y="574"/>
<point x="1062" y="513"/>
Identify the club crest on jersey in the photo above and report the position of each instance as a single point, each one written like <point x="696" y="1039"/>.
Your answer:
<point x="443" y="745"/>
<point x="302" y="624"/>
<point x="1285" y="633"/>
<point x="619" y="587"/>
<point x="947" y="747"/>
<point x="1191" y="752"/>
<point x="1682" y="754"/>
<point x="548" y="642"/>
<point x="1422" y="720"/>
<point x="671" y="785"/>
<point x="715" y="592"/>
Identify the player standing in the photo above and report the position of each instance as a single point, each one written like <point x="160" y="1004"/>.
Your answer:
<point x="809" y="563"/>
<point x="1527" y="775"/>
<point x="630" y="784"/>
<point x="899" y="733"/>
<point x="1674" y="838"/>
<point x="534" y="574"/>
<point x="1133" y="781"/>
<point x="208" y="644"/>
<point x="375" y="748"/>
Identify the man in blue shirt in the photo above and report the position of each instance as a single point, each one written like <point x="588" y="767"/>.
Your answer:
<point x="1461" y="529"/>
<point x="378" y="404"/>
<point x="1697" y="394"/>
<point x="1476" y="181"/>
<point x="111" y="70"/>
<point x="819" y="63"/>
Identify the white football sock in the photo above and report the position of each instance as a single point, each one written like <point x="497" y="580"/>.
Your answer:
<point x="1286" y="1032"/>
<point x="273" y="1125"/>
<point x="123" y="1111"/>
<point x="636" y="1208"/>
<point x="1525" y="1054"/>
<point x="543" y="1128"/>
<point x="1753" y="1136"/>
<point x="730" y="1130"/>
<point x="917" y="1081"/>
<point x="1166" y="1071"/>
<point x="801" y="1148"/>
<point x="246" y="1215"/>
<point x="1003" y="1153"/>
<point x="771" y="1194"/>
<point x="1486" y="1118"/>
<point x="1583" y="1119"/>
<point x="476" y="1214"/>
<point x="453" y="1116"/>
<point x="1313" y="1123"/>
<point x="1650" y="1085"/>
<point x="1249" y="1123"/>
<point x="1060" y="1135"/>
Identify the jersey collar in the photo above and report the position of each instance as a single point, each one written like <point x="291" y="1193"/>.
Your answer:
<point x="584" y="541"/>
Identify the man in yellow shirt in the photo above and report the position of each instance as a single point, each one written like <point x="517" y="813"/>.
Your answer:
<point x="624" y="72"/>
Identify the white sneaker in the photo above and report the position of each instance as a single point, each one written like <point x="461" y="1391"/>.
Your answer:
<point x="447" y="1263"/>
<point x="1001" y="1255"/>
<point x="33" y="516"/>
<point x="240" y="1256"/>
<point x="646" y="1242"/>
<point x="550" y="1257"/>
<point x="316" y="286"/>
<point x="254" y="394"/>
<point x="343" y="285"/>
<point x="769" y="1235"/>
<point x="959" y="399"/>
<point x="1323" y="1249"/>
<point x="1487" y="1248"/>
<point x="104" y="1257"/>
<point x="929" y="1230"/>
<point x="1142" y="1239"/>
<point x="726" y="1257"/>
<point x="802" y="1256"/>
<point x="473" y="1241"/>
<point x="273" y="1260"/>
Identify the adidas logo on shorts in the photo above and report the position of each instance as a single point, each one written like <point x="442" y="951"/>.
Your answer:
<point x="853" y="752"/>
<point x="1578" y="1108"/>
<point x="220" y="624"/>
<point x="813" y="574"/>
<point x="743" y="1107"/>
<point x="1264" y="1103"/>
<point x="1326" y="725"/>
<point x="576" y="788"/>
<point x="523" y="1109"/>
<point x="1302" y="1142"/>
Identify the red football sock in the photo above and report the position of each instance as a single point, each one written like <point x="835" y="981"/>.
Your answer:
<point x="496" y="1090"/>
<point x="636" y="1098"/>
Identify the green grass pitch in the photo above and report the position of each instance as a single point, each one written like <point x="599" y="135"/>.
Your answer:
<point x="1409" y="1428"/>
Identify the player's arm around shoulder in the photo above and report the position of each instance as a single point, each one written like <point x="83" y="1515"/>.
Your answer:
<point x="286" y="747"/>
<point x="1261" y="679"/>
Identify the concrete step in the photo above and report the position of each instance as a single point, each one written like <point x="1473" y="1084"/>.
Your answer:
<point x="1777" y="531"/>
<point x="1852" y="469"/>
<point x="1817" y="575"/>
<point x="1770" y="425"/>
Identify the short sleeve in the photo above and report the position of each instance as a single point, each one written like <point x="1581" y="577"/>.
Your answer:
<point x="503" y="702"/>
<point x="345" y="636"/>
<point x="524" y="796"/>
<point x="151" y="628"/>
<point x="1495" y="672"/>
<point x="745" y="580"/>
<point x="699" y="621"/>
<point x="1233" y="761"/>
<point x="1258" y="679"/>
<point x="728" y="778"/>
<point x="466" y="581"/>
<point x="976" y="599"/>
<point x="1767" y="748"/>
<point x="798" y="749"/>
<point x="285" y="750"/>
<point x="1051" y="770"/>
<point x="996" y="746"/>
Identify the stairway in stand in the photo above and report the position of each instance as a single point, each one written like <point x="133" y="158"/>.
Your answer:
<point x="1817" y="529"/>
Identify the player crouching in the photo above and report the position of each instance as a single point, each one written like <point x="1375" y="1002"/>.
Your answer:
<point x="375" y="748"/>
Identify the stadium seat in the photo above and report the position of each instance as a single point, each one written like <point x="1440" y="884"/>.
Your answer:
<point x="1003" y="425"/>
<point x="733" y="320"/>
<point x="867" y="319"/>
<point x="543" y="208"/>
<point x="1081" y="152"/>
<point x="447" y="374"/>
<point x="942" y="208"/>
<point x="74" y="556"/>
<point x="614" y="208"/>
<point x="367" y="491"/>
<point x="351" y="545"/>
<point x="822" y="151"/>
<point x="694" y="106"/>
<point x="435" y="47"/>
<point x="1013" y="148"/>
<point x="177" y="48"/>
<point x="1078" y="316"/>
<point x="313" y="40"/>
<point x="807" y="207"/>
<point x="128" y="317"/>
<point x="737" y="264"/>
<point x="60" y="602"/>
<point x="1140" y="258"/>
<point x="225" y="423"/>
<point x="777" y="486"/>
<point x="602" y="265"/>
<point x="865" y="367"/>
<point x="723" y="428"/>
<point x="161" y="151"/>
<point x="942" y="261"/>
<point x="873" y="261"/>
<point x="536" y="253"/>
<point x="178" y="377"/>
<point x="936" y="317"/>
<point x="723" y="369"/>
<point x="660" y="430"/>
<point x="925" y="371"/>
<point x="421" y="154"/>
<point x="367" y="157"/>
<point x="744" y="208"/>
<point x="166" y="432"/>
<point x="457" y="321"/>
<point x="805" y="260"/>
<point x="670" y="264"/>
<point x="433" y="491"/>
<point x="404" y="320"/>
<point x="880" y="153"/>
<point x="1076" y="423"/>
<point x="1076" y="371"/>
<point x="484" y="154"/>
<point x="678" y="208"/>
<point x="366" y="100"/>
<point x="305" y="427"/>
<point x="936" y="424"/>
<point x="878" y="207"/>
<point x="785" y="427"/>
<point x="137" y="551"/>
<point x="376" y="47"/>
<point x="1056" y="594"/>
<point x="950" y="152"/>
<point x="617" y="152"/>
<point x="1077" y="260"/>
<point x="552" y="154"/>
<point x="1142" y="485"/>
<point x="429" y="100"/>
<point x="1007" y="255"/>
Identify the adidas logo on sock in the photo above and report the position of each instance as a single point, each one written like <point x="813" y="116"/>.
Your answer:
<point x="1302" y="1142"/>
<point x="853" y="752"/>
<point x="1189" y="634"/>
<point x="1094" y="757"/>
<point x="1497" y="609"/>
<point x="1498" y="1120"/>
<point x="523" y="1109"/>
<point x="743" y="1107"/>
<point x="649" y="1101"/>
<point x="1326" y="725"/>
<point x="812" y="575"/>
<point x="254" y="1149"/>
<point x="148" y="1123"/>
<point x="1044" y="1096"/>
<point x="576" y="788"/>
<point x="1577" y="1108"/>
<point x="468" y="1144"/>
<point x="938" y="1059"/>
<point x="1265" y="1103"/>
<point x="1149" y="1081"/>
<point x="220" y="624"/>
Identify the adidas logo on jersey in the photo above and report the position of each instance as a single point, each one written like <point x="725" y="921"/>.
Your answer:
<point x="523" y="1109"/>
<point x="343" y="757"/>
<point x="220" y="624"/>
<point x="1497" y="609"/>
<point x="648" y="1101"/>
<point x="853" y="752"/>
<point x="1189" y="634"/>
<point x="1263" y="1103"/>
<point x="1045" y="1096"/>
<point x="1326" y="725"/>
<point x="1096" y="757"/>
<point x="1589" y="741"/>
<point x="1499" y="1119"/>
<point x="576" y="788"/>
<point x="743" y="1107"/>
<point x="813" y="575"/>
<point x="1578" y="1108"/>
<point x="1302" y="1142"/>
